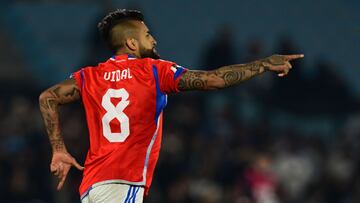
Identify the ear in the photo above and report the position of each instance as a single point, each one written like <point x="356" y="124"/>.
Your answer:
<point x="132" y="44"/>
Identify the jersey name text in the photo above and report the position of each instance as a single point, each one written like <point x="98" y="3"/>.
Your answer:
<point x="116" y="76"/>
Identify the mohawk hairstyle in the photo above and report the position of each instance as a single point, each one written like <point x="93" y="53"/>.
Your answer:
<point x="114" y="18"/>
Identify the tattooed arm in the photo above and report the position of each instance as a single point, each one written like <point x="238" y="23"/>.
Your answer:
<point x="234" y="74"/>
<point x="49" y="102"/>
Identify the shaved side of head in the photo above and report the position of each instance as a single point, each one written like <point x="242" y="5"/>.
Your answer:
<point x="123" y="31"/>
<point x="119" y="25"/>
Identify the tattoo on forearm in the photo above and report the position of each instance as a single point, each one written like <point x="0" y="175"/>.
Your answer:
<point x="229" y="75"/>
<point x="220" y="78"/>
<point x="49" y="105"/>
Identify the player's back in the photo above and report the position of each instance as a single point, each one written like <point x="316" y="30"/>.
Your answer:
<point x="123" y="100"/>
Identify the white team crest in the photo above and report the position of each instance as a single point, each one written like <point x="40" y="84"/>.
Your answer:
<point x="175" y="67"/>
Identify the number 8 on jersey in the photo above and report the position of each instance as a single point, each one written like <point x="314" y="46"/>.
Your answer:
<point x="115" y="112"/>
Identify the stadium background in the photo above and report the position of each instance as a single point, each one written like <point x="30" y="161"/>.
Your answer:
<point x="288" y="140"/>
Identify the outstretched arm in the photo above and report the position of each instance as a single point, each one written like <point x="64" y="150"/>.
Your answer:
<point x="49" y="102"/>
<point x="234" y="74"/>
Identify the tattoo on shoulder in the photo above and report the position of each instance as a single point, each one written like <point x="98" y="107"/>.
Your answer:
<point x="65" y="92"/>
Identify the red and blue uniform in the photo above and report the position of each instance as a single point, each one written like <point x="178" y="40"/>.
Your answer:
<point x="124" y="98"/>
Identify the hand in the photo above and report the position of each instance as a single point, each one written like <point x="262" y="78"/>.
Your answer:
<point x="280" y="63"/>
<point x="60" y="165"/>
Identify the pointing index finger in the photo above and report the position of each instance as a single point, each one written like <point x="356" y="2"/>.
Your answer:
<point x="294" y="56"/>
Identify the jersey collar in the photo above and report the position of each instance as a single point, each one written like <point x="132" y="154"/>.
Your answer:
<point x="123" y="57"/>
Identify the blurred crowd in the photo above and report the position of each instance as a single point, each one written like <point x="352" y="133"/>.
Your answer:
<point x="218" y="147"/>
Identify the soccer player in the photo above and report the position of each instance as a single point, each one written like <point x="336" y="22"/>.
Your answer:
<point x="123" y="99"/>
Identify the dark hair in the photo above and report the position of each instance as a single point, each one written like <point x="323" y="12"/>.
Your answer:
<point x="116" y="17"/>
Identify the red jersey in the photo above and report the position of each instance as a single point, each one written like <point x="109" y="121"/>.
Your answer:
<point x="123" y="99"/>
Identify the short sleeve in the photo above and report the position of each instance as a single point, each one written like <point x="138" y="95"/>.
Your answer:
<point x="79" y="77"/>
<point x="169" y="74"/>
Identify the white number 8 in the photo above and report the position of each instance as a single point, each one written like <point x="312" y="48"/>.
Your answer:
<point x="115" y="112"/>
